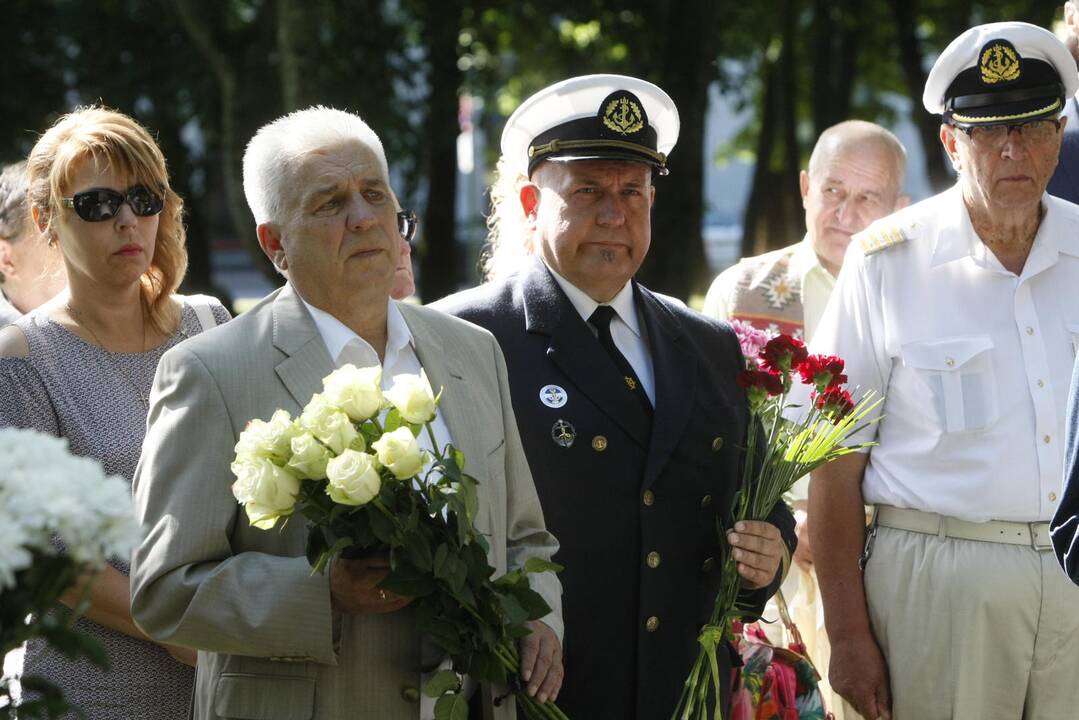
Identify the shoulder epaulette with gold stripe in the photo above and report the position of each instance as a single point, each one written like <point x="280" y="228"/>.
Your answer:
<point x="880" y="238"/>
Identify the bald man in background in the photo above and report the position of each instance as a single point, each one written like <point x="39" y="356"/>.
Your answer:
<point x="855" y="176"/>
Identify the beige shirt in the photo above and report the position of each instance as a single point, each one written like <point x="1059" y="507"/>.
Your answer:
<point x="815" y="287"/>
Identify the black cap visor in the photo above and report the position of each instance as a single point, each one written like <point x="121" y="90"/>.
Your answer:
<point x="999" y="109"/>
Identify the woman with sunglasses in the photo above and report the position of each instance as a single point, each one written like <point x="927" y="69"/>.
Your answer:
<point x="81" y="367"/>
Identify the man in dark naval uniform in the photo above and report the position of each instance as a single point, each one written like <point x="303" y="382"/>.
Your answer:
<point x="626" y="401"/>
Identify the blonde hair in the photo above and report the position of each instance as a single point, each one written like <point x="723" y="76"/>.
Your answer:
<point x="509" y="239"/>
<point x="116" y="141"/>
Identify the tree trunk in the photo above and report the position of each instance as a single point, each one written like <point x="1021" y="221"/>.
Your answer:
<point x="439" y="253"/>
<point x="676" y="263"/>
<point x="298" y="43"/>
<point x="910" y="56"/>
<point x="836" y="31"/>
<point x="774" y="217"/>
<point x="199" y="22"/>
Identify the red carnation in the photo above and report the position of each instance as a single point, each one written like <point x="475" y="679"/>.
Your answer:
<point x="759" y="385"/>
<point x="783" y="354"/>
<point x="835" y="402"/>
<point x="823" y="371"/>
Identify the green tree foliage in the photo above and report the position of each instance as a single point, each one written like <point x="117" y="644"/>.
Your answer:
<point x="204" y="74"/>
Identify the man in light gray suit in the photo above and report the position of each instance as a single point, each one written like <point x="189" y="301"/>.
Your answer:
<point x="275" y="641"/>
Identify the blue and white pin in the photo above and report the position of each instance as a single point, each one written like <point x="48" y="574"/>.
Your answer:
<point x="553" y="396"/>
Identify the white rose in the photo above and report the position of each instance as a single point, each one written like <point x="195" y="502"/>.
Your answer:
<point x="413" y="398"/>
<point x="357" y="391"/>
<point x="353" y="477"/>
<point x="266" y="491"/>
<point x="269" y="440"/>
<point x="328" y="423"/>
<point x="399" y="451"/>
<point x="309" y="457"/>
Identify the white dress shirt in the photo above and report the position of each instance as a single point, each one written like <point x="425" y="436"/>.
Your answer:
<point x="974" y="361"/>
<point x="345" y="346"/>
<point x="625" y="328"/>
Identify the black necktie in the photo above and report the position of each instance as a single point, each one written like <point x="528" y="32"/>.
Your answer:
<point x="601" y="321"/>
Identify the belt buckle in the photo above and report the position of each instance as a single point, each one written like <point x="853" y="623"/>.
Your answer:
<point x="1034" y="543"/>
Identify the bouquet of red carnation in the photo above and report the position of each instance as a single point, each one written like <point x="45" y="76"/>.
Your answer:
<point x="779" y="450"/>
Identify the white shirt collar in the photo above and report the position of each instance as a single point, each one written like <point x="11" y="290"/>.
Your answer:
<point x="956" y="237"/>
<point x="804" y="260"/>
<point x="622" y="303"/>
<point x="336" y="335"/>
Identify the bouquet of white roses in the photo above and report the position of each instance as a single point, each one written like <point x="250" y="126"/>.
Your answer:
<point x="351" y="465"/>
<point x="779" y="451"/>
<point x="47" y="493"/>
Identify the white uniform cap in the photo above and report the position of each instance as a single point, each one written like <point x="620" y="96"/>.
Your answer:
<point x="592" y="117"/>
<point x="999" y="73"/>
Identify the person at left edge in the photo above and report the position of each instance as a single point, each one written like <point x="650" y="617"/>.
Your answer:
<point x="274" y="639"/>
<point x="31" y="269"/>
<point x="635" y="450"/>
<point x="80" y="367"/>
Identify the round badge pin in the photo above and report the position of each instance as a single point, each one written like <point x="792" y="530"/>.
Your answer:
<point x="563" y="433"/>
<point x="553" y="396"/>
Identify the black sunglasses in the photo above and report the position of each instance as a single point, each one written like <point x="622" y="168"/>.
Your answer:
<point x="100" y="204"/>
<point x="406" y="224"/>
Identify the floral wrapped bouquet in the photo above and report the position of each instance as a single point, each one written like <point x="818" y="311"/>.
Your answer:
<point x="786" y="440"/>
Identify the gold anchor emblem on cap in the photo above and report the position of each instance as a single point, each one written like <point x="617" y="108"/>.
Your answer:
<point x="623" y="116"/>
<point x="999" y="63"/>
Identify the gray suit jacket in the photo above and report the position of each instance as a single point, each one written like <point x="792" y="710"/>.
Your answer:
<point x="270" y="646"/>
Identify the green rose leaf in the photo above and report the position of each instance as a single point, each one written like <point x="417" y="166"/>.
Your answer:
<point x="486" y="667"/>
<point x="441" y="553"/>
<point x="393" y="420"/>
<point x="456" y="456"/>
<point x="539" y="565"/>
<point x="419" y="551"/>
<point x="316" y="546"/>
<point x="441" y="683"/>
<point x="382" y="527"/>
<point x="451" y="707"/>
<point x="409" y="581"/>
<point x="532" y="602"/>
<point x="513" y="611"/>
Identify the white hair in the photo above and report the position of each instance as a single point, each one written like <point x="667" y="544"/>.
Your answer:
<point x="278" y="147"/>
<point x="509" y="240"/>
<point x="849" y="135"/>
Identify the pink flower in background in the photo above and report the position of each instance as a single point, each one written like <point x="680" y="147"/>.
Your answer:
<point x="751" y="339"/>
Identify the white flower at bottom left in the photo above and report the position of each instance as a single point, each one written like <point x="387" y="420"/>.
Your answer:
<point x="267" y="491"/>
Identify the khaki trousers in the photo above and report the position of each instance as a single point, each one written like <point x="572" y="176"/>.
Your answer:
<point x="973" y="630"/>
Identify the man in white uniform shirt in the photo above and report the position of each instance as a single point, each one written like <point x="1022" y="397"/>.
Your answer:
<point x="961" y="310"/>
<point x="274" y="639"/>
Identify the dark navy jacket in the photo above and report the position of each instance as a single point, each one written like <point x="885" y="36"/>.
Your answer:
<point x="1064" y="528"/>
<point x="635" y="512"/>
<point x="1065" y="181"/>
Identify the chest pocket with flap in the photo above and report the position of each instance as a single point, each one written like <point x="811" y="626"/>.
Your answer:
<point x="960" y="376"/>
